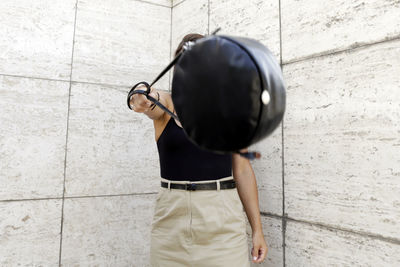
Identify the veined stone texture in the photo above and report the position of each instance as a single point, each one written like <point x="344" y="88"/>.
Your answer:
<point x="308" y="245"/>
<point x="30" y="233"/>
<point x="166" y="3"/>
<point x="191" y="16"/>
<point x="111" y="149"/>
<point x="107" y="231"/>
<point x="33" y="125"/>
<point x="313" y="27"/>
<point x="341" y="133"/>
<point x="121" y="42"/>
<point x="36" y="38"/>
<point x="254" y="19"/>
<point x="342" y="140"/>
<point x="268" y="172"/>
<point x="272" y="228"/>
<point x="175" y="2"/>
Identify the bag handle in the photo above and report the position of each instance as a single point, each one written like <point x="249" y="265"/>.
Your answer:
<point x="249" y="155"/>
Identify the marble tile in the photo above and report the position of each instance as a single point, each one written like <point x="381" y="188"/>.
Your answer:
<point x="191" y="16"/>
<point x="272" y="228"/>
<point x="121" y="42"/>
<point x="30" y="233"/>
<point x="36" y="38"/>
<point x="268" y="172"/>
<point x="315" y="27"/>
<point x="115" y="232"/>
<point x="308" y="245"/>
<point x="166" y="3"/>
<point x="342" y="140"/>
<point x="254" y="19"/>
<point x="175" y="2"/>
<point x="33" y="125"/>
<point x="111" y="149"/>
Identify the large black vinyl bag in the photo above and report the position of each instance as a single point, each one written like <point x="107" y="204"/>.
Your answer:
<point x="228" y="92"/>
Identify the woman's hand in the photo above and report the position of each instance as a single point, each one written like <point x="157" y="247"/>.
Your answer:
<point x="139" y="102"/>
<point x="259" y="250"/>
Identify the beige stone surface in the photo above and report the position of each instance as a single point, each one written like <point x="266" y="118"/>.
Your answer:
<point x="33" y="124"/>
<point x="272" y="228"/>
<point x="111" y="149"/>
<point x="342" y="140"/>
<point x="254" y="19"/>
<point x="121" y="42"/>
<point x="191" y="16"/>
<point x="313" y="27"/>
<point x="36" y="38"/>
<point x="188" y="16"/>
<point x="107" y="231"/>
<point x="308" y="245"/>
<point x="166" y="3"/>
<point x="268" y="172"/>
<point x="30" y="233"/>
<point x="175" y="2"/>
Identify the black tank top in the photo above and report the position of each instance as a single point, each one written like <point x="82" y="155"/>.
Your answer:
<point x="180" y="159"/>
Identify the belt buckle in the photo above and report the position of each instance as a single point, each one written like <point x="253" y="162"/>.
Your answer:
<point x="191" y="187"/>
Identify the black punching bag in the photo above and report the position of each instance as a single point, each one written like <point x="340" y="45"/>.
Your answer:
<point x="228" y="92"/>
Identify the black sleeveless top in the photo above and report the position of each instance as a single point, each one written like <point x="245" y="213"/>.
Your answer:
<point x="181" y="159"/>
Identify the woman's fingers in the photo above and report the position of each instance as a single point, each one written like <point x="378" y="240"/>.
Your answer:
<point x="139" y="102"/>
<point x="258" y="252"/>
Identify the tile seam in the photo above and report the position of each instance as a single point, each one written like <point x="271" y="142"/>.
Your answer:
<point x="170" y="48"/>
<point x="335" y="228"/>
<point x="351" y="48"/>
<point x="282" y="149"/>
<point x="323" y="54"/>
<point x="151" y="3"/>
<point x="178" y="3"/>
<point x="71" y="197"/>
<point x="66" y="135"/>
<point x="208" y="17"/>
<point x="346" y="230"/>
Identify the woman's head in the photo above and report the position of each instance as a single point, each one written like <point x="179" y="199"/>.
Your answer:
<point x="186" y="38"/>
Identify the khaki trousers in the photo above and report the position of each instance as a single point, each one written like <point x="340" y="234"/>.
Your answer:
<point x="202" y="228"/>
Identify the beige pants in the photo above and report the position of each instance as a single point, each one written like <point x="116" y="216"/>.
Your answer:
<point x="203" y="228"/>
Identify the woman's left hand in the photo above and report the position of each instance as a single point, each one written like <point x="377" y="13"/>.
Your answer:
<point x="259" y="250"/>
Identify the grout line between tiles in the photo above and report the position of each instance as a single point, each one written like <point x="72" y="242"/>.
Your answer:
<point x="30" y="199"/>
<point x="72" y="197"/>
<point x="66" y="136"/>
<point x="32" y="77"/>
<point x="178" y="3"/>
<point x="350" y="231"/>
<point x="329" y="227"/>
<point x="282" y="150"/>
<point x="208" y="23"/>
<point x="116" y="195"/>
<point x="152" y="3"/>
<point x="326" y="53"/>
<point x="351" y="48"/>
<point x="170" y="50"/>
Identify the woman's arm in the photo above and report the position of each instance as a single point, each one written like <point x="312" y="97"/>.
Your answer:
<point x="247" y="188"/>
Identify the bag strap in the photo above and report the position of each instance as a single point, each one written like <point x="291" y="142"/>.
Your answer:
<point x="249" y="155"/>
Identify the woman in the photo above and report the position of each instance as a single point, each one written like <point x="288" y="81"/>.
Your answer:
<point x="198" y="218"/>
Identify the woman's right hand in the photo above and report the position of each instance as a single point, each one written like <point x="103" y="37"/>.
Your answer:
<point x="139" y="102"/>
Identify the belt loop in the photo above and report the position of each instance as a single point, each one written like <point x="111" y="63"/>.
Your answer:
<point x="169" y="185"/>
<point x="218" y="186"/>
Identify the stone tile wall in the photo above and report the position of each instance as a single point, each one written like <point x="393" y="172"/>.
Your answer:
<point x="79" y="171"/>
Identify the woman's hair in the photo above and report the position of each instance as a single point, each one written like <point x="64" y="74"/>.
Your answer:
<point x="186" y="38"/>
